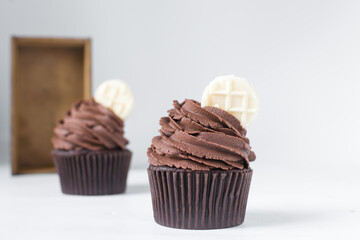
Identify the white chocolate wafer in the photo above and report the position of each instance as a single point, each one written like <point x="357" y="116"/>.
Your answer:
<point x="116" y="95"/>
<point x="234" y="95"/>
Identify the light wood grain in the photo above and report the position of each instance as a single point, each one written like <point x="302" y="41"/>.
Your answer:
<point x="87" y="68"/>
<point x="49" y="76"/>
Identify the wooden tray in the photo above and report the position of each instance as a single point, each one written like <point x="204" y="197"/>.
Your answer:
<point x="48" y="77"/>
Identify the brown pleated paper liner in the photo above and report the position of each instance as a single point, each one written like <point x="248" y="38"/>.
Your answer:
<point x="199" y="199"/>
<point x="92" y="172"/>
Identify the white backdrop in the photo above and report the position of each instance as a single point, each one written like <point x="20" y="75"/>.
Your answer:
<point x="303" y="57"/>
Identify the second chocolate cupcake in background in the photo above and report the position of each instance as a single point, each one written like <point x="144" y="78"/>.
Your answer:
<point x="90" y="152"/>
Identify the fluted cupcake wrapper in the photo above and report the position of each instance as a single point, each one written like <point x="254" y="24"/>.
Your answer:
<point x="199" y="199"/>
<point x="92" y="172"/>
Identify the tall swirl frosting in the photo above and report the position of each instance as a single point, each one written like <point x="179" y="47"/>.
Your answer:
<point x="89" y="125"/>
<point x="200" y="138"/>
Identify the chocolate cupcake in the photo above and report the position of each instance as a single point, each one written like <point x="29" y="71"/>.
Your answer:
<point x="199" y="169"/>
<point x="90" y="151"/>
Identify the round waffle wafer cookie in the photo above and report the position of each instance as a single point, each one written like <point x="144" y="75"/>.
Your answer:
<point x="234" y="95"/>
<point x="116" y="95"/>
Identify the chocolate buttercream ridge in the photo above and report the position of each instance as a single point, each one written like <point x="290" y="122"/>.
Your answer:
<point x="193" y="137"/>
<point x="89" y="125"/>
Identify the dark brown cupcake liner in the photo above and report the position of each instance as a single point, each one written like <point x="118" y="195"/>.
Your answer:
<point x="199" y="199"/>
<point x="92" y="172"/>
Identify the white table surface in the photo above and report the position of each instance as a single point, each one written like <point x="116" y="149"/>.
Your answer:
<point x="284" y="203"/>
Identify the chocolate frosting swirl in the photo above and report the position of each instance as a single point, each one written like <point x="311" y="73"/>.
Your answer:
<point x="200" y="138"/>
<point x="89" y="126"/>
